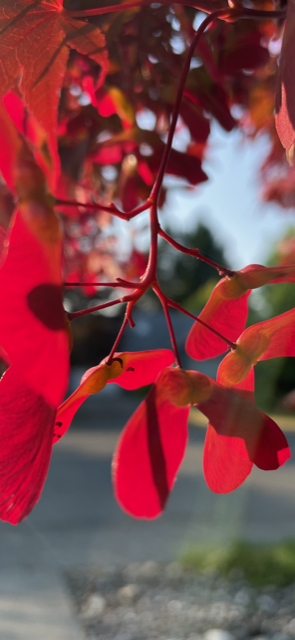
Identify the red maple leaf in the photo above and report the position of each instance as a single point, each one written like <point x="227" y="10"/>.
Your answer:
<point x="152" y="445"/>
<point x="34" y="45"/>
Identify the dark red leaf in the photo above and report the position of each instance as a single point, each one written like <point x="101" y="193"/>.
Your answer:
<point x="26" y="427"/>
<point x="252" y="435"/>
<point x="247" y="57"/>
<point x="180" y="164"/>
<point x="149" y="454"/>
<point x="224" y="463"/>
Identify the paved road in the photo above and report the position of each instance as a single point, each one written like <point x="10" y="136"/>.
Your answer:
<point x="77" y="521"/>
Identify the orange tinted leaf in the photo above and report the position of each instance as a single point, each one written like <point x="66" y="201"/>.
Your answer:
<point x="226" y="310"/>
<point x="285" y="96"/>
<point x="129" y="370"/>
<point x="11" y="143"/>
<point x="93" y="381"/>
<point x="272" y="338"/>
<point x="28" y="127"/>
<point x="24" y="26"/>
<point x="255" y="275"/>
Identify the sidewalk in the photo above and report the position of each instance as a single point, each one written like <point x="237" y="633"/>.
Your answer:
<point x="77" y="522"/>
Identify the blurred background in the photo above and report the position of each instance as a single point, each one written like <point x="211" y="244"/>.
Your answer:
<point x="229" y="191"/>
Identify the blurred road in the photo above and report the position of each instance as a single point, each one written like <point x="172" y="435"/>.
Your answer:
<point x="77" y="520"/>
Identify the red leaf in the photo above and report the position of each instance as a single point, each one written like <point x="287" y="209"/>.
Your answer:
<point x="149" y="454"/>
<point x="26" y="424"/>
<point x="272" y="338"/>
<point x="3" y="237"/>
<point x="245" y="56"/>
<point x="129" y="370"/>
<point x="24" y="25"/>
<point x="252" y="435"/>
<point x="255" y="275"/>
<point x="180" y="164"/>
<point x="227" y="308"/>
<point x="198" y="125"/>
<point x="285" y="96"/>
<point x="11" y="143"/>
<point x="225" y="314"/>
<point x="224" y="464"/>
<point x="32" y="131"/>
<point x="32" y="327"/>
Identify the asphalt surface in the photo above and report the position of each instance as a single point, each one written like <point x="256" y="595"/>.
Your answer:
<point x="78" y="522"/>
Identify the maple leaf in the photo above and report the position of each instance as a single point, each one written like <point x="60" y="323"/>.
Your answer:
<point x="129" y="370"/>
<point x="152" y="445"/>
<point x="35" y="36"/>
<point x="227" y="308"/>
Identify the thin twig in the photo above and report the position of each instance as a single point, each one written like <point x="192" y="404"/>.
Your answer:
<point x="195" y="253"/>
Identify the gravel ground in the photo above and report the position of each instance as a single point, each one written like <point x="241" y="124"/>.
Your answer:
<point x="163" y="602"/>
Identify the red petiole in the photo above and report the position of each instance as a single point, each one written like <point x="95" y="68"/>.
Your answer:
<point x="195" y="253"/>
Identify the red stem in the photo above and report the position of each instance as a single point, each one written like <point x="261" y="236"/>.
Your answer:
<point x="206" y="7"/>
<point x="177" y="306"/>
<point x="123" y="284"/>
<point x="118" y="338"/>
<point x="163" y="300"/>
<point x="85" y="312"/>
<point x="217" y="14"/>
<point x="197" y="4"/>
<point x="195" y="252"/>
<point x="109" y="209"/>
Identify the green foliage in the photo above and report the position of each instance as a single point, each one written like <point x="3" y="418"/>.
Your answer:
<point x="259" y="564"/>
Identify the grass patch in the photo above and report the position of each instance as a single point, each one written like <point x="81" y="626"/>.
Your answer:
<point x="260" y="564"/>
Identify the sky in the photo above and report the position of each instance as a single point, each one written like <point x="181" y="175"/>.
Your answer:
<point x="230" y="203"/>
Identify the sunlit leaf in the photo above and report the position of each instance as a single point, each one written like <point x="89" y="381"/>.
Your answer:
<point x="26" y="425"/>
<point x="149" y="454"/>
<point x="128" y="370"/>
<point x="34" y="43"/>
<point x="227" y="308"/>
<point x="224" y="463"/>
<point x="285" y="96"/>
<point x="32" y="326"/>
<point x="272" y="338"/>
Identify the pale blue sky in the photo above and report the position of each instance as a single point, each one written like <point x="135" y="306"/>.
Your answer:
<point x="230" y="203"/>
